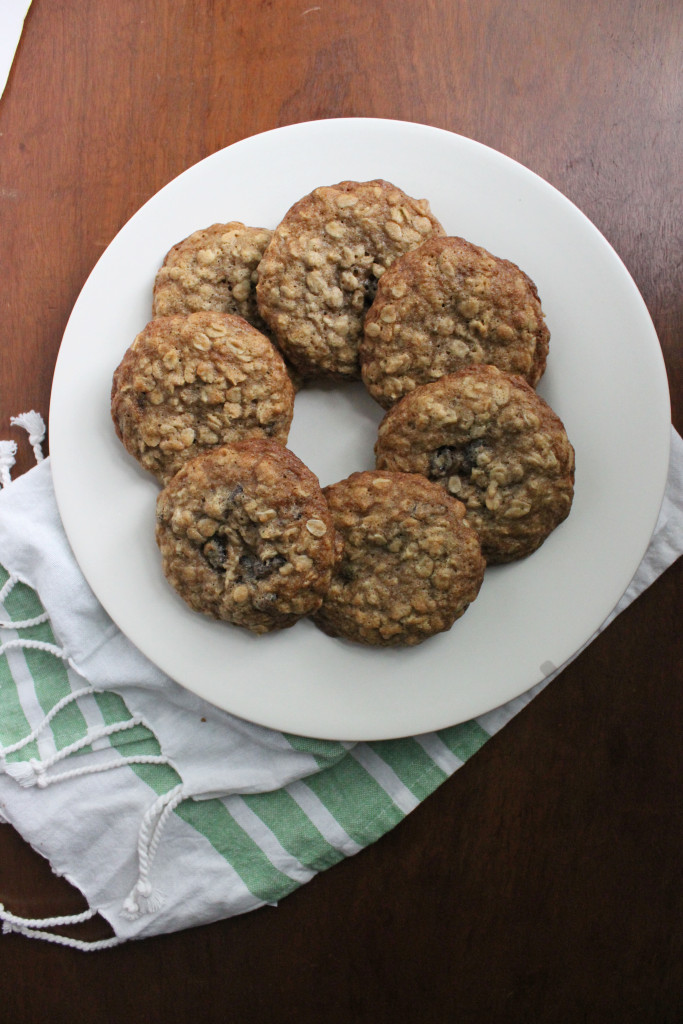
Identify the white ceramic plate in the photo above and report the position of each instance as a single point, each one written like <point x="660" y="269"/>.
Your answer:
<point x="605" y="378"/>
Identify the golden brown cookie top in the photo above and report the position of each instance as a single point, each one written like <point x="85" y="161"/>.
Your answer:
<point x="446" y="305"/>
<point x="246" y="536"/>
<point x="320" y="270"/>
<point x="488" y="439"/>
<point x="189" y="383"/>
<point x="215" y="268"/>
<point x="410" y="564"/>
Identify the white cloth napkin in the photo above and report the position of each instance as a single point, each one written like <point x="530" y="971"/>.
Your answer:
<point x="163" y="810"/>
<point x="12" y="15"/>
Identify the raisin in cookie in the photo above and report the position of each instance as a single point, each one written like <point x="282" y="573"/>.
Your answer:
<point x="246" y="536"/>
<point x="319" y="272"/>
<point x="410" y="566"/>
<point x="189" y="383"/>
<point x="215" y="269"/>
<point x="488" y="439"/>
<point x="444" y="306"/>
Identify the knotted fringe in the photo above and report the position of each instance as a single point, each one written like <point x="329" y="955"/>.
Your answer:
<point x="33" y="772"/>
<point x="32" y="645"/>
<point x="143" y="898"/>
<point x="85" y="691"/>
<point x="33" y="423"/>
<point x="34" y="928"/>
<point x="5" y="591"/>
<point x="8" y="451"/>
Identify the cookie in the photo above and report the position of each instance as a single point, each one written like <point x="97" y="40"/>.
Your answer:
<point x="213" y="269"/>
<point x="319" y="273"/>
<point x="246" y="536"/>
<point x="410" y="566"/>
<point x="444" y="306"/>
<point x="189" y="383"/>
<point x="489" y="440"/>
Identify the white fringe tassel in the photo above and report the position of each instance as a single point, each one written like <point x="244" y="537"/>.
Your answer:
<point x="143" y="898"/>
<point x="34" y="424"/>
<point x="8" y="451"/>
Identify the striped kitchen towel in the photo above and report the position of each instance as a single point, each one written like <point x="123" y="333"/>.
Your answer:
<point x="163" y="810"/>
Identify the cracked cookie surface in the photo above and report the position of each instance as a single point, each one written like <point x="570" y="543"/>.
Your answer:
<point x="410" y="564"/>
<point x="488" y="439"/>
<point x="246" y="536"/>
<point x="319" y="272"/>
<point x="444" y="306"/>
<point x="191" y="382"/>
<point x="215" y="268"/>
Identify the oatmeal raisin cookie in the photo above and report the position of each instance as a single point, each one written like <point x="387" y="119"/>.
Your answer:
<point x="410" y="565"/>
<point x="189" y="383"/>
<point x="446" y="305"/>
<point x="246" y="536"/>
<point x="489" y="440"/>
<point x="215" y="268"/>
<point x="320" y="270"/>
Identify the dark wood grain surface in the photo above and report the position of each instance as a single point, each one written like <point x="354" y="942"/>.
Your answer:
<point x="542" y="883"/>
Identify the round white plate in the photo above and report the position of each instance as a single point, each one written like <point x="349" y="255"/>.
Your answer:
<point x="605" y="378"/>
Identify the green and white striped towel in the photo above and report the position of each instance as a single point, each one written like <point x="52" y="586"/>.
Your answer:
<point x="164" y="811"/>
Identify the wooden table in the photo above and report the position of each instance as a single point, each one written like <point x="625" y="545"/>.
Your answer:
<point x="543" y="882"/>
